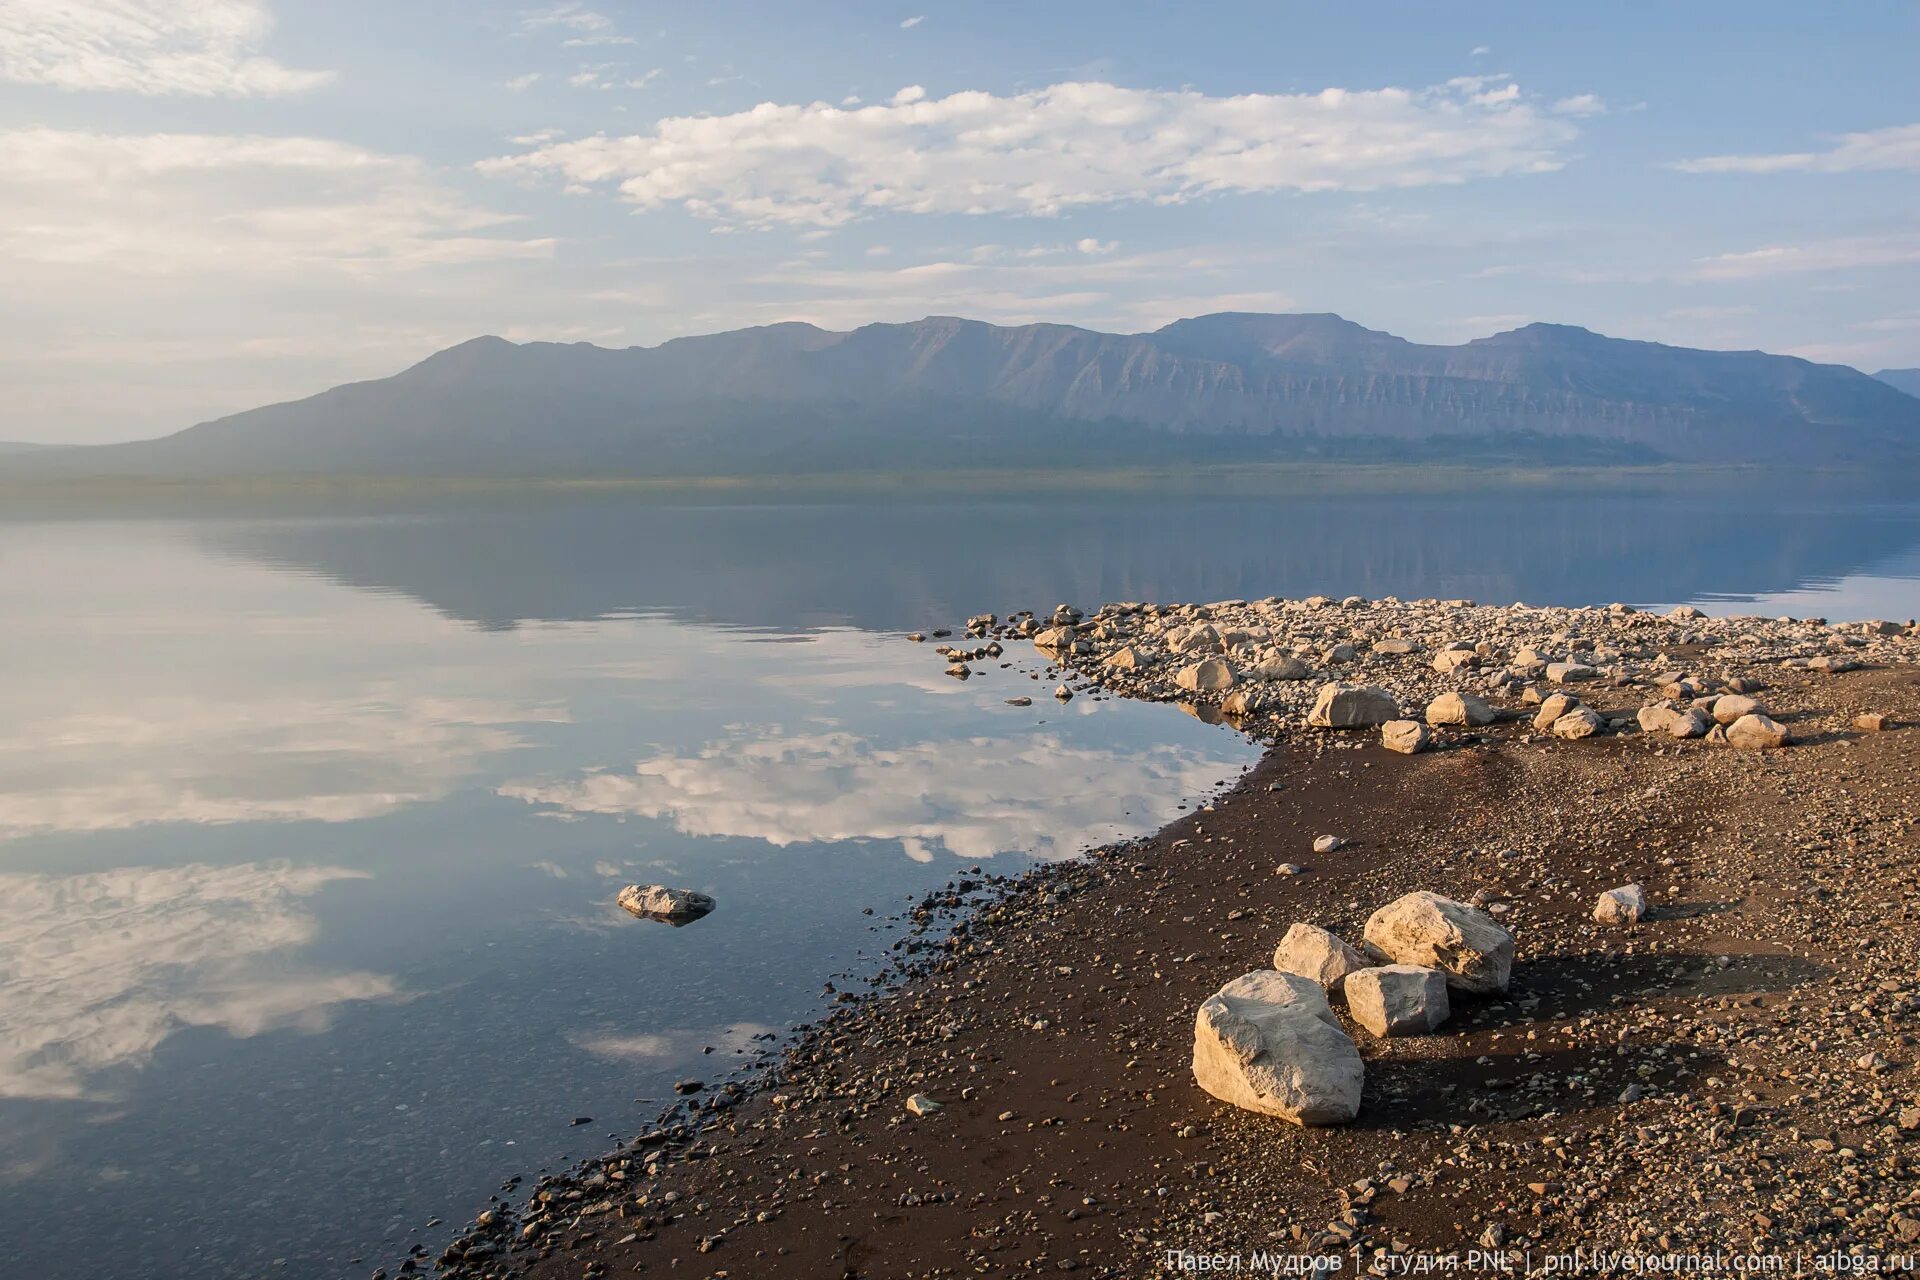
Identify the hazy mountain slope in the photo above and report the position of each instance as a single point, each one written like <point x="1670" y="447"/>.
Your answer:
<point x="1907" y="380"/>
<point x="950" y="392"/>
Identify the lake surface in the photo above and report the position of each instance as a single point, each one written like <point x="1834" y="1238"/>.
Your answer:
<point x="310" y="821"/>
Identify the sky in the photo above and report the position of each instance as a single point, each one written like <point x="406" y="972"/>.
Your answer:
<point x="208" y="205"/>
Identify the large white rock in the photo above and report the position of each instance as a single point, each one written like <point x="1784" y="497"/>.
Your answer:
<point x="1282" y="667"/>
<point x="1405" y="736"/>
<point x="1268" y="1042"/>
<point x="660" y="902"/>
<point x="1459" y="708"/>
<point x="1729" y="707"/>
<point x="1425" y="929"/>
<point x="1206" y="675"/>
<point x="1625" y="905"/>
<point x="1755" y="732"/>
<point x="1350" y="706"/>
<point x="1677" y="722"/>
<point x="1312" y="952"/>
<point x="1552" y="707"/>
<point x="1398" y="999"/>
<point x="1581" y="722"/>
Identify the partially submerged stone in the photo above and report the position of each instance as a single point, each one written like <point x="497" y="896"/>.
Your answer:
<point x="1425" y="929"/>
<point x="1398" y="999"/>
<point x="1268" y="1042"/>
<point x="1625" y="905"/>
<point x="660" y="902"/>
<point x="1349" y="706"/>
<point x="1309" y="951"/>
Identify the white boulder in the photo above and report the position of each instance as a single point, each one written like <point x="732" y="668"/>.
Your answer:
<point x="1350" y="706"/>
<point x="1268" y="1042"/>
<point x="1459" y="708"/>
<point x="1309" y="951"/>
<point x="1398" y="999"/>
<point x="1425" y="929"/>
<point x="1625" y="905"/>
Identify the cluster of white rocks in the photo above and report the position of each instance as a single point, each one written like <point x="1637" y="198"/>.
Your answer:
<point x="1269" y="1041"/>
<point x="1409" y="667"/>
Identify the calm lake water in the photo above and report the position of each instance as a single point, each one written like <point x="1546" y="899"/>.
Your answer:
<point x="310" y="823"/>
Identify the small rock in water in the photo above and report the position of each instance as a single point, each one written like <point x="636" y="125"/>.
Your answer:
<point x="1022" y="701"/>
<point x="659" y="902"/>
<point x="1063" y="693"/>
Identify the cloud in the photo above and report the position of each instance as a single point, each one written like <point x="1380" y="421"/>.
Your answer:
<point x="569" y="16"/>
<point x="193" y="48"/>
<point x="1897" y="147"/>
<point x="1843" y="254"/>
<point x="1091" y="246"/>
<point x="971" y="799"/>
<point x="1580" y="104"/>
<point x="1052" y="150"/>
<point x="909" y="24"/>
<point x="169" y="203"/>
<point x="526" y="81"/>
<point x="97" y="970"/>
<point x="289" y="758"/>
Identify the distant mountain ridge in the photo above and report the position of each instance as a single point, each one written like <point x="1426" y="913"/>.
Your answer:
<point x="946" y="392"/>
<point x="1908" y="380"/>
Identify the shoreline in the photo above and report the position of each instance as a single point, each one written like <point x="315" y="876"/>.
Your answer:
<point x="1052" y="1020"/>
<point x="1224" y="480"/>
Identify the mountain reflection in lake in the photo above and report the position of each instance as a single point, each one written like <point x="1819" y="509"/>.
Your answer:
<point x="310" y="825"/>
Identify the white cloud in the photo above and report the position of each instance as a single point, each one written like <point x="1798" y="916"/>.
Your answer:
<point x="909" y="24"/>
<point x="196" y="48"/>
<point x="1843" y="254"/>
<point x="971" y="799"/>
<point x="1089" y="245"/>
<point x="97" y="970"/>
<point x="1581" y="104"/>
<point x="526" y="81"/>
<point x="291" y="758"/>
<point x="569" y="16"/>
<point x="1897" y="147"/>
<point x="1051" y="150"/>
<point x="222" y="204"/>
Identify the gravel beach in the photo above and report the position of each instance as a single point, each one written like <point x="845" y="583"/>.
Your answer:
<point x="1730" y="1074"/>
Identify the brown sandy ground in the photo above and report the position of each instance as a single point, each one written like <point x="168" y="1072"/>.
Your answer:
<point x="1735" y="1072"/>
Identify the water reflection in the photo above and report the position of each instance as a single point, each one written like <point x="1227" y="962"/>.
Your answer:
<point x="895" y="565"/>
<point x="96" y="970"/>
<point x="972" y="798"/>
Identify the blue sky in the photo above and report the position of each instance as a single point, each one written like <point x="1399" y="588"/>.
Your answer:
<point x="210" y="204"/>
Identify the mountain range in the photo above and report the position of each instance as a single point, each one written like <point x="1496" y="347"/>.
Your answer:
<point x="946" y="392"/>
